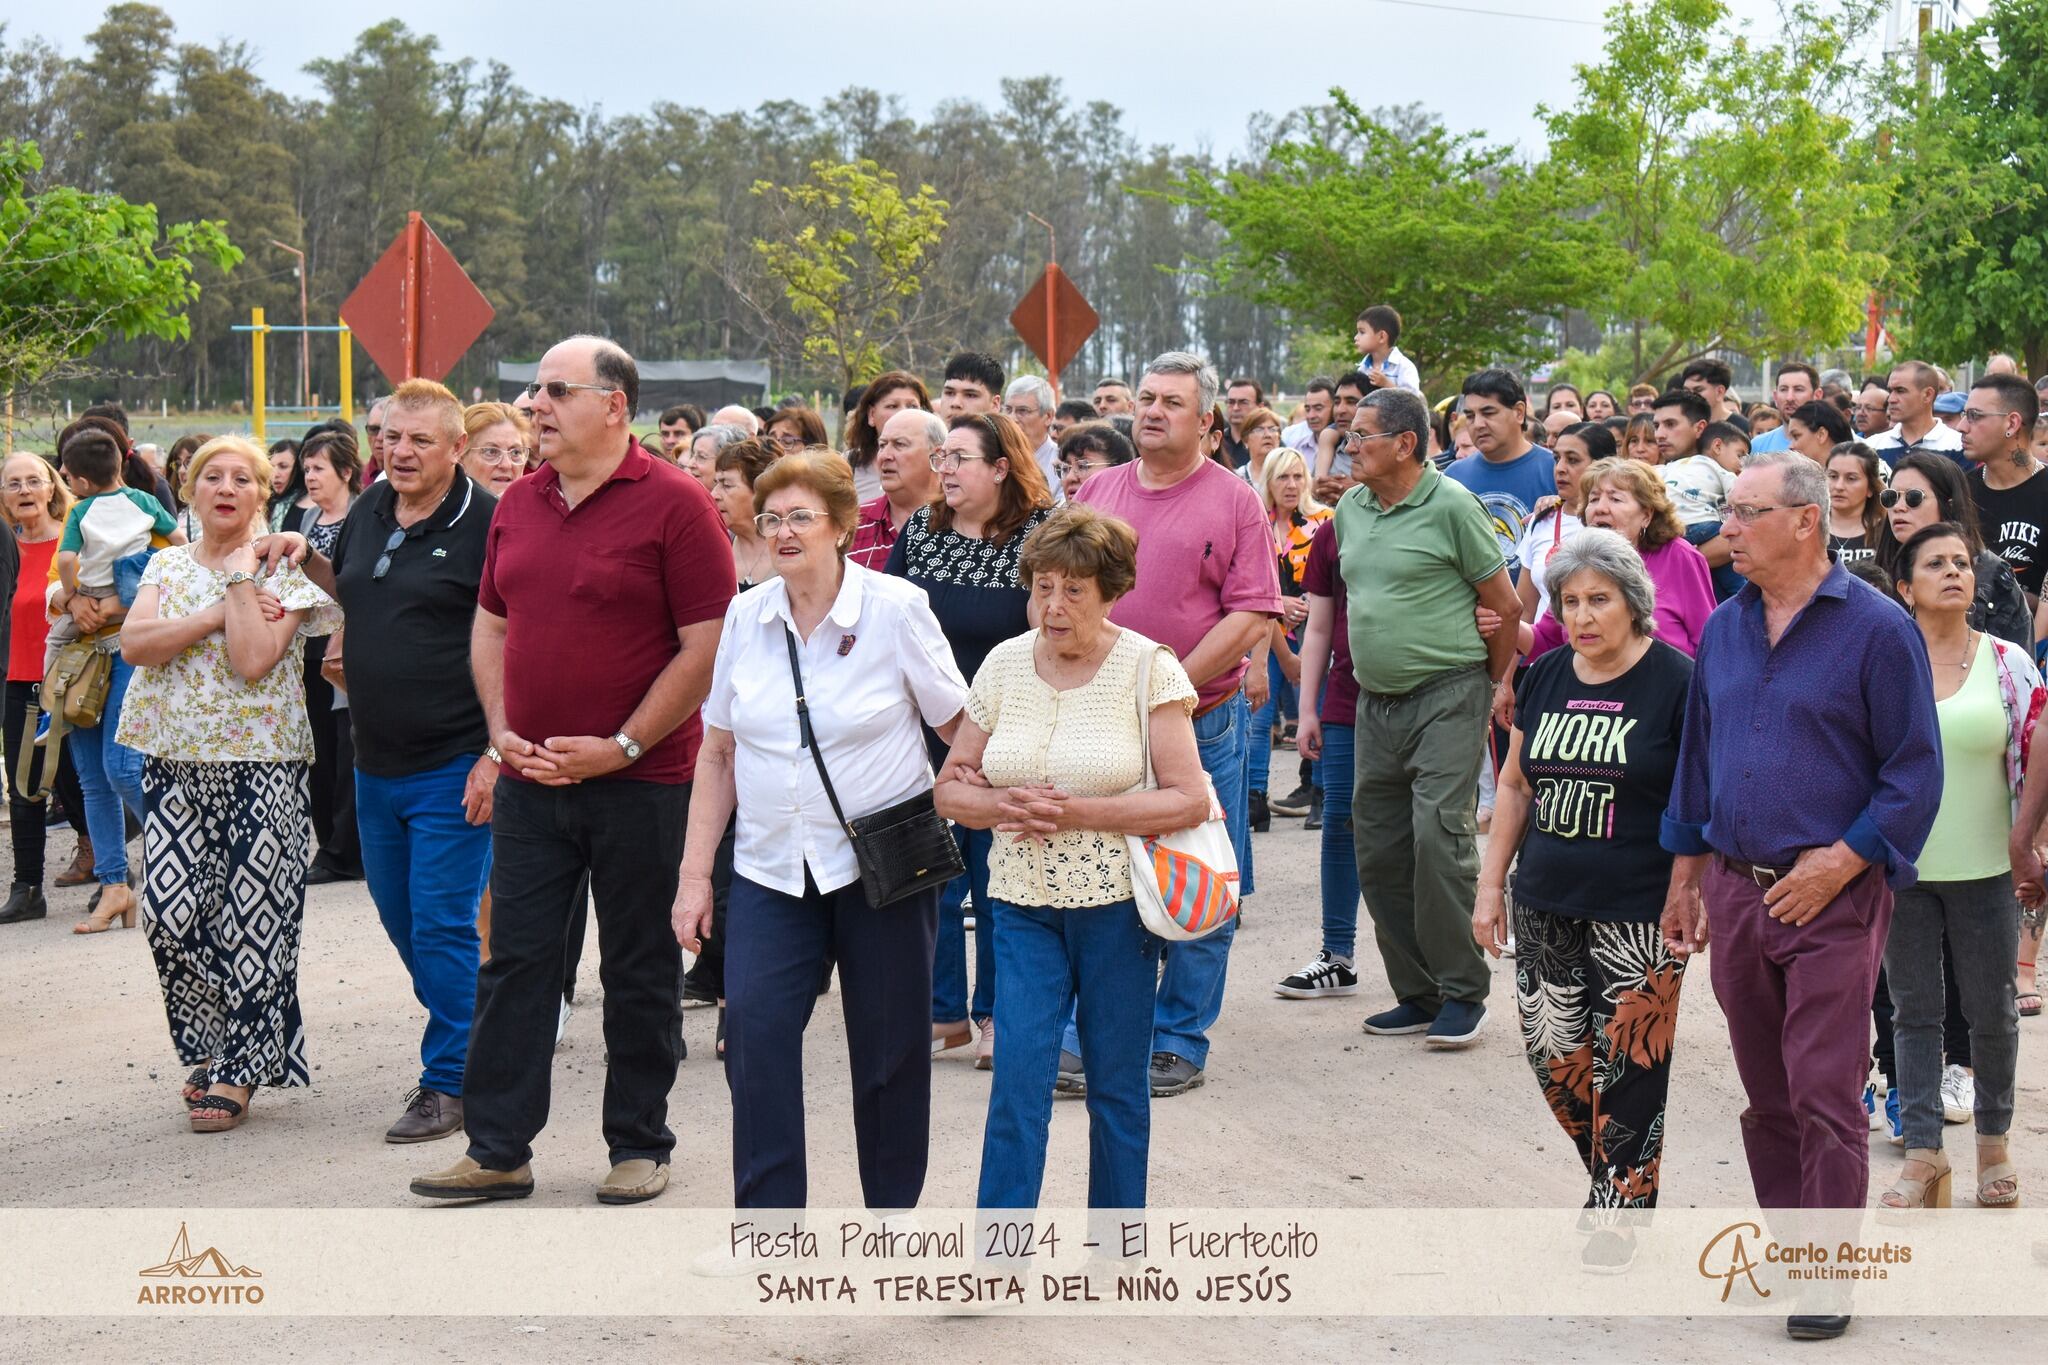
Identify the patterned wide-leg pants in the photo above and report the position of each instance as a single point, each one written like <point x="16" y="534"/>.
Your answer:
<point x="227" y="846"/>
<point x="1599" y="1008"/>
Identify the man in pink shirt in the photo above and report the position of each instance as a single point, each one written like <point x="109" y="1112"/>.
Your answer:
<point x="1208" y="586"/>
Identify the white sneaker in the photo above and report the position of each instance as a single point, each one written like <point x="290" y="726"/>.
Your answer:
<point x="1958" y="1094"/>
<point x="562" y="1020"/>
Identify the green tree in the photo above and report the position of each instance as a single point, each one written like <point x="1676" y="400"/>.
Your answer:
<point x="1743" y="202"/>
<point x="78" y="268"/>
<point x="1971" y="217"/>
<point x="1473" y="247"/>
<point x="848" y="259"/>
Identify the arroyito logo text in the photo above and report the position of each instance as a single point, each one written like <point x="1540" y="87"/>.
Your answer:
<point x="207" y="1278"/>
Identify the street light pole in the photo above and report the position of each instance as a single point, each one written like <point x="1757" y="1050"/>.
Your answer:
<point x="305" y="338"/>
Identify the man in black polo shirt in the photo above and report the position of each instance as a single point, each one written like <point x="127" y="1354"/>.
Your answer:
<point x="406" y="570"/>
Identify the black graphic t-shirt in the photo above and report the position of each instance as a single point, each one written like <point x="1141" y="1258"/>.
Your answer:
<point x="2014" y="521"/>
<point x="1849" y="549"/>
<point x="1600" y="759"/>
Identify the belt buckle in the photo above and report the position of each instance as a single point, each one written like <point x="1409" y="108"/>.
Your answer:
<point x="1764" y="877"/>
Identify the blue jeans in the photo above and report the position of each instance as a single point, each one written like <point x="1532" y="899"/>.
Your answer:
<point x="1281" y="703"/>
<point x="427" y="867"/>
<point x="1190" y="993"/>
<point x="1051" y="963"/>
<point x="949" y="961"/>
<point x="1340" y="861"/>
<point x="110" y="775"/>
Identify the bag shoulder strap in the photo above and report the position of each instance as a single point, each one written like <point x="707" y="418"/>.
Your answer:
<point x="809" y="737"/>
<point x="1146" y="651"/>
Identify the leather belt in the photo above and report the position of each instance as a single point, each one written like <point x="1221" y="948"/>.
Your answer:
<point x="1201" y="711"/>
<point x="1764" y="877"/>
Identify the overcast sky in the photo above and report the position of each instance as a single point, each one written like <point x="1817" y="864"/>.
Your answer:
<point x="1186" y="72"/>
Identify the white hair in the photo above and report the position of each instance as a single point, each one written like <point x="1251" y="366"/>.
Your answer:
<point x="934" y="426"/>
<point x="1040" y="392"/>
<point x="733" y="415"/>
<point x="1805" y="483"/>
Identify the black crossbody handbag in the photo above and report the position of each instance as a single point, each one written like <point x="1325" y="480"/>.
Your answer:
<point x="902" y="849"/>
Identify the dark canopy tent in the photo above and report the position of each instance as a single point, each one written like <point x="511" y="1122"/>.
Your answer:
<point x="710" y="384"/>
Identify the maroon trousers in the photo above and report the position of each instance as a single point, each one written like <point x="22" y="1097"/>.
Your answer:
<point x="1798" y="1006"/>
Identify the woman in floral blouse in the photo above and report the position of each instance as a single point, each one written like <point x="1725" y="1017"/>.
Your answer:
<point x="218" y="710"/>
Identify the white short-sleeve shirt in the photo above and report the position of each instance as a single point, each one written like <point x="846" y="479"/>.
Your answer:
<point x="874" y="668"/>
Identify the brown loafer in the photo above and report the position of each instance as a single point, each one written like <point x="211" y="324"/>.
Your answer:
<point x="429" y="1114"/>
<point x="633" y="1182"/>
<point x="467" y="1180"/>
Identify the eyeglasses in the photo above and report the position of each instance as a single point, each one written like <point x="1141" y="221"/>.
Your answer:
<point x="1020" y="410"/>
<point x="1356" y="440"/>
<point x="1976" y="415"/>
<point x="1747" y="513"/>
<point x="1912" y="497"/>
<point x="558" y="389"/>
<point x="799" y="521"/>
<point x="500" y="454"/>
<point x="789" y="440"/>
<point x="946" y="461"/>
<point x="1066" y="467"/>
<point x="384" y="560"/>
<point x="25" y="485"/>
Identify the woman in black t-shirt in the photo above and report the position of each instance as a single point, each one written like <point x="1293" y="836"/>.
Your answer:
<point x="1589" y="770"/>
<point x="1854" y="481"/>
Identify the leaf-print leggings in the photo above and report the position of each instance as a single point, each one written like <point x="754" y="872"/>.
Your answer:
<point x="1599" y="1008"/>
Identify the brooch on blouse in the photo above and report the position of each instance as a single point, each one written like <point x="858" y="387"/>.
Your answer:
<point x="845" y="645"/>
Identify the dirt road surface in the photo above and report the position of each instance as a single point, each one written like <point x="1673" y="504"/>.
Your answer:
<point x="1301" y="1108"/>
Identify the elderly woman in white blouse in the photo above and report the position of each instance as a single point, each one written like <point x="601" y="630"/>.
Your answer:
<point x="874" y="666"/>
<point x="1050" y="757"/>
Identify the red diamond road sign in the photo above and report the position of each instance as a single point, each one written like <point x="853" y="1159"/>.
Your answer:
<point x="1054" y="319"/>
<point x="416" y="312"/>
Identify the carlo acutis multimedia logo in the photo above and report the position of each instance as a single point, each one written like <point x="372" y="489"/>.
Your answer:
<point x="185" y="1278"/>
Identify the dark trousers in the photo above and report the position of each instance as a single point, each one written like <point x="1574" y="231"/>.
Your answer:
<point x="628" y="836"/>
<point x="334" y="771"/>
<point x="1796" y="997"/>
<point x="778" y="949"/>
<point x="708" y="971"/>
<point x="25" y="817"/>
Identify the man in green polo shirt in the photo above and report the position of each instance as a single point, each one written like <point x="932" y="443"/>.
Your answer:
<point x="1418" y="552"/>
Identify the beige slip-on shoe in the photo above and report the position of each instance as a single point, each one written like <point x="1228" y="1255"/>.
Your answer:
<point x="467" y="1180"/>
<point x="633" y="1182"/>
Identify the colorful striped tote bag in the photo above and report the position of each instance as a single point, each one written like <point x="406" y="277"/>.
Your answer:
<point x="1185" y="883"/>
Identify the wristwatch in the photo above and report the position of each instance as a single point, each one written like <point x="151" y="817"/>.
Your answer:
<point x="629" y="744"/>
<point x="241" y="576"/>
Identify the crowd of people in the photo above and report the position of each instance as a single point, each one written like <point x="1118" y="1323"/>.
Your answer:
<point x="1758" y="676"/>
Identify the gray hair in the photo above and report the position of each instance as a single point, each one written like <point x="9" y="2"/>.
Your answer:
<point x="1805" y="484"/>
<point x="721" y="435"/>
<point x="1401" y="410"/>
<point x="933" y="425"/>
<point x="1187" y="362"/>
<point x="1037" y="388"/>
<point x="1599" y="550"/>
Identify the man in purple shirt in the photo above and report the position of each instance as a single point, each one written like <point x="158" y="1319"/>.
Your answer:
<point x="1807" y="782"/>
<point x="1208" y="588"/>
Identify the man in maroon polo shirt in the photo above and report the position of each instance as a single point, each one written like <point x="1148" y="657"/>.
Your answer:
<point x="903" y="459"/>
<point x="605" y="581"/>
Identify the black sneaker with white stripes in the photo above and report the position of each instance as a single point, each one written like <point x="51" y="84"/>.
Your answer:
<point x="1324" y="975"/>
